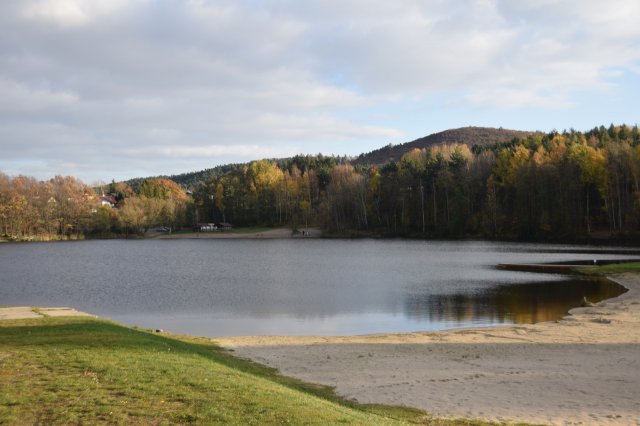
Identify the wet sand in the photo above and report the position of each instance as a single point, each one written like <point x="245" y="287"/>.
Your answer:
<point x="584" y="369"/>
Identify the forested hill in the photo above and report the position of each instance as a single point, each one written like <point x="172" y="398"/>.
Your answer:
<point x="465" y="135"/>
<point x="190" y="179"/>
<point x="545" y="186"/>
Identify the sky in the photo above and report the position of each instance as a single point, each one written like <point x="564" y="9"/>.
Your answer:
<point x="117" y="89"/>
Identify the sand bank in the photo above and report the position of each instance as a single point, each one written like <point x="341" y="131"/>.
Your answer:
<point x="584" y="369"/>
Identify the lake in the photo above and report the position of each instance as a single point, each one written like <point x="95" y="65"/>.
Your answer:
<point x="299" y="286"/>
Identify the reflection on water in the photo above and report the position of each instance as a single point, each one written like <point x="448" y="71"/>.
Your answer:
<point x="239" y="287"/>
<point x="511" y="303"/>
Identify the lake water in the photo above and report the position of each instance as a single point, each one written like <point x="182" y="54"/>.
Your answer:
<point x="291" y="287"/>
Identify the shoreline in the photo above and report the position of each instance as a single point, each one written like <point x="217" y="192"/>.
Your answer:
<point x="582" y="369"/>
<point x="573" y="316"/>
<point x="271" y="234"/>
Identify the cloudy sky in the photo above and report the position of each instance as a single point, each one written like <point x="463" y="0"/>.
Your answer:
<point x="116" y="89"/>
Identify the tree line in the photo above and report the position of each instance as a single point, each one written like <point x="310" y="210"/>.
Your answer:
<point x="66" y="208"/>
<point x="555" y="186"/>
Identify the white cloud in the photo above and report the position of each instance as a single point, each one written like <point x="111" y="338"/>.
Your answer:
<point x="18" y="98"/>
<point x="319" y="128"/>
<point x="513" y="98"/>
<point x="111" y="82"/>
<point x="70" y="13"/>
<point x="244" y="152"/>
<point x="549" y="49"/>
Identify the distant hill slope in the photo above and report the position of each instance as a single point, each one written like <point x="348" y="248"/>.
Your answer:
<point x="190" y="179"/>
<point x="464" y="135"/>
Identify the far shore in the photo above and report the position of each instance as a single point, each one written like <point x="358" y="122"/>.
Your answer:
<point x="580" y="370"/>
<point x="277" y="233"/>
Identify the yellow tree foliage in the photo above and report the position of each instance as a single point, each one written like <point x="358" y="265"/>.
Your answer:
<point x="412" y="163"/>
<point x="592" y="163"/>
<point x="162" y="188"/>
<point x="509" y="164"/>
<point x="264" y="174"/>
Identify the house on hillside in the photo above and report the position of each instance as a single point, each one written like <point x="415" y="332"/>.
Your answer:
<point x="107" y="200"/>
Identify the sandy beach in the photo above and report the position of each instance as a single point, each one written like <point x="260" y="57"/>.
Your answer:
<point x="582" y="370"/>
<point x="24" y="312"/>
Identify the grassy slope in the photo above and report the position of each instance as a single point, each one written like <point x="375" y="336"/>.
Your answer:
<point x="88" y="371"/>
<point x="615" y="268"/>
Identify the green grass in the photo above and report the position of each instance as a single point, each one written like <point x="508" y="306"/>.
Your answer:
<point x="614" y="268"/>
<point x="250" y="230"/>
<point x="91" y="371"/>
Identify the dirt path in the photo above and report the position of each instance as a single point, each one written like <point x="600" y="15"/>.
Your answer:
<point x="584" y="369"/>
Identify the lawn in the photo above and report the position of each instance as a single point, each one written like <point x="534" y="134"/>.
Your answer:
<point x="614" y="268"/>
<point x="92" y="371"/>
<point x="250" y="230"/>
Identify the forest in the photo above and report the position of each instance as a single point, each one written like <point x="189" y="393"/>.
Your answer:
<point x="543" y="186"/>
